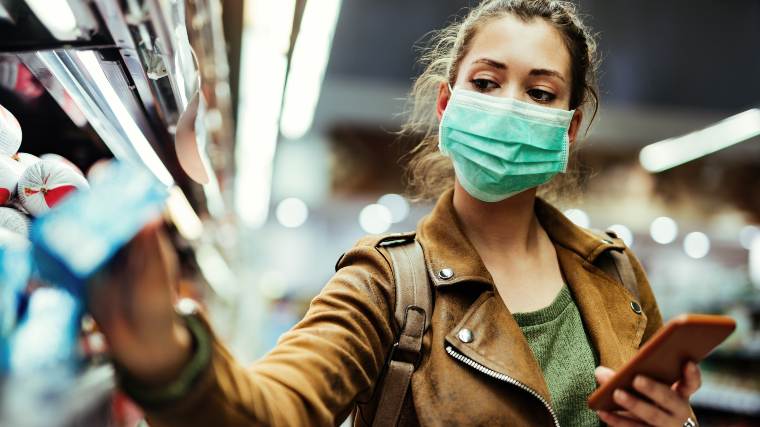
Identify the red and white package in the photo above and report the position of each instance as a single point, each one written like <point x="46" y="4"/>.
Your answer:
<point x="15" y="221"/>
<point x="46" y="183"/>
<point x="25" y="159"/>
<point x="59" y="158"/>
<point x="10" y="133"/>
<point x="10" y="172"/>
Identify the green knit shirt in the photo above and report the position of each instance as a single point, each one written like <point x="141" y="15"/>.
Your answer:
<point x="556" y="335"/>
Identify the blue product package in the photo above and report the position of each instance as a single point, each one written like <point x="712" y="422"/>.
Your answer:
<point x="79" y="236"/>
<point x="15" y="271"/>
<point x="46" y="337"/>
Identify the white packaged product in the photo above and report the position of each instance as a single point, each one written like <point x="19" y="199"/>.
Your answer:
<point x="46" y="183"/>
<point x="59" y="158"/>
<point x="16" y="204"/>
<point x="25" y="159"/>
<point x="15" y="221"/>
<point x="10" y="133"/>
<point x="10" y="172"/>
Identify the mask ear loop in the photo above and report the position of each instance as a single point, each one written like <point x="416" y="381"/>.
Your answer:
<point x="440" y="123"/>
<point x="566" y="147"/>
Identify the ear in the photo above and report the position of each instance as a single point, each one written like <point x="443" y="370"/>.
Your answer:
<point x="575" y="125"/>
<point x="443" y="99"/>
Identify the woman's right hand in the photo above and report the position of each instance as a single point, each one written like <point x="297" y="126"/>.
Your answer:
<point x="132" y="301"/>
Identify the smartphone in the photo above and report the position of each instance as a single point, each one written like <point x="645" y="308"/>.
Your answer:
<point x="688" y="337"/>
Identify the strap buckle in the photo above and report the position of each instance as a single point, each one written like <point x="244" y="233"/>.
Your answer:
<point x="408" y="348"/>
<point x="400" y="355"/>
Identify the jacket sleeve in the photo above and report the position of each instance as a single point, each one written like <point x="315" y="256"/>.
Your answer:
<point x="316" y="372"/>
<point x="647" y="299"/>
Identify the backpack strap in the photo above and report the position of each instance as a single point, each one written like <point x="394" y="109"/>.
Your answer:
<point x="412" y="314"/>
<point x="618" y="265"/>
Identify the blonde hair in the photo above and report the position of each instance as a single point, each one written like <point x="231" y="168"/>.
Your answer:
<point x="428" y="172"/>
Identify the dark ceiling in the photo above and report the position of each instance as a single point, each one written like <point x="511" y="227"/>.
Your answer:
<point x="693" y="54"/>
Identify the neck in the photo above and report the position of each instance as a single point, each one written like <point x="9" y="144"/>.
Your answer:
<point x="509" y="225"/>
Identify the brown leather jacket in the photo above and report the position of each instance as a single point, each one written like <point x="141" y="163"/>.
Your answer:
<point x="330" y="360"/>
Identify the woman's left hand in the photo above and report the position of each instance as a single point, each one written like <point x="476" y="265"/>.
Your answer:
<point x="667" y="406"/>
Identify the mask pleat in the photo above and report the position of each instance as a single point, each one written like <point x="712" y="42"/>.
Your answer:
<point x="501" y="146"/>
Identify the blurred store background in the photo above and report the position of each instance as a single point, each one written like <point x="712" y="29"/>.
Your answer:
<point x="292" y="156"/>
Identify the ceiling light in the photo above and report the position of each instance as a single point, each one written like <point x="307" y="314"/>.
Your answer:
<point x="375" y="219"/>
<point x="397" y="205"/>
<point x="308" y="63"/>
<point x="672" y="152"/>
<point x="263" y="62"/>
<point x="663" y="230"/>
<point x="748" y="234"/>
<point x="292" y="212"/>
<point x="696" y="245"/>
<point x="57" y="17"/>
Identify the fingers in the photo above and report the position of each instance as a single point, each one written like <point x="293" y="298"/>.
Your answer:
<point x="153" y="226"/>
<point x="666" y="397"/>
<point x="616" y="420"/>
<point x="145" y="263"/>
<point x="168" y="256"/>
<point x="691" y="381"/>
<point x="603" y="374"/>
<point x="653" y="415"/>
<point x="626" y="414"/>
<point x="659" y="404"/>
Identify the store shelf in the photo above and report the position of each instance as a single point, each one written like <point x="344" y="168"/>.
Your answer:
<point x="132" y="80"/>
<point x="129" y="80"/>
<point x="727" y="399"/>
<point x="25" y="32"/>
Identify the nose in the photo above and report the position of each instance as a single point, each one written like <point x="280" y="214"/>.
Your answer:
<point x="512" y="90"/>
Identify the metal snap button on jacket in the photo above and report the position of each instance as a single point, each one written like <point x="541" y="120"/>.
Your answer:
<point x="446" y="273"/>
<point x="635" y="307"/>
<point x="465" y="335"/>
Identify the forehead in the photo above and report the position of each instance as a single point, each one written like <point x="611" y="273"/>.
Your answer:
<point x="526" y="44"/>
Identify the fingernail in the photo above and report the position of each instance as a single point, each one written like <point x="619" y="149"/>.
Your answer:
<point x="640" y="381"/>
<point x="620" y="395"/>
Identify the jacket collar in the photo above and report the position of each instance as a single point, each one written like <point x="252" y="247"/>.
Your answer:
<point x="450" y="256"/>
<point x="452" y="259"/>
<point x="615" y="331"/>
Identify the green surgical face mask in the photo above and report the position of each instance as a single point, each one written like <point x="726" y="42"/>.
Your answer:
<point x="502" y="146"/>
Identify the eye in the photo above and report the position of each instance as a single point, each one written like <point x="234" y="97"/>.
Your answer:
<point x="542" y="95"/>
<point x="484" y="85"/>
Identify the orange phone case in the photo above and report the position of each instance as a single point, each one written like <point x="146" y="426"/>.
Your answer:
<point x="684" y="338"/>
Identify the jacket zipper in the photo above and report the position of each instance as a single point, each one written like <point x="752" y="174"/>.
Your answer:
<point x="501" y="377"/>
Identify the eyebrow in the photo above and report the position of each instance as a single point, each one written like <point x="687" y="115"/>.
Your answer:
<point x="545" y="72"/>
<point x="535" y="72"/>
<point x="491" y="63"/>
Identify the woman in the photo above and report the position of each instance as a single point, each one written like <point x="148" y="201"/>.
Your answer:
<point x="522" y="314"/>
